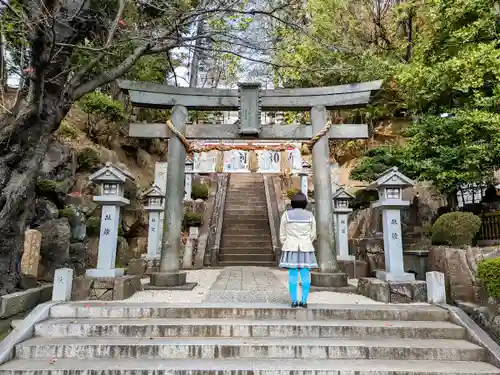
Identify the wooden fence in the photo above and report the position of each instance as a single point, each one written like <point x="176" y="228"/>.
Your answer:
<point x="490" y="228"/>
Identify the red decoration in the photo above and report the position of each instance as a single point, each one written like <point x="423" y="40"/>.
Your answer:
<point x="122" y="23"/>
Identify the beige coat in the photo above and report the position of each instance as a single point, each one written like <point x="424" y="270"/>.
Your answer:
<point x="297" y="230"/>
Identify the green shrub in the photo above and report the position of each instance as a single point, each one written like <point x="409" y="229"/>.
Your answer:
<point x="88" y="160"/>
<point x="192" y="219"/>
<point x="93" y="226"/>
<point x="489" y="272"/>
<point x="199" y="191"/>
<point x="46" y="188"/>
<point x="291" y="192"/>
<point x="455" y="229"/>
<point x="363" y="199"/>
<point x="67" y="131"/>
<point x="67" y="213"/>
<point x="102" y="106"/>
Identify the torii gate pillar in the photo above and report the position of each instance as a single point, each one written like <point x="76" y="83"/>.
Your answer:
<point x="169" y="274"/>
<point x="329" y="274"/>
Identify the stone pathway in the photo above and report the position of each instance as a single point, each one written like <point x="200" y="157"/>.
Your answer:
<point x="205" y="278"/>
<point x="247" y="284"/>
<point x="244" y="285"/>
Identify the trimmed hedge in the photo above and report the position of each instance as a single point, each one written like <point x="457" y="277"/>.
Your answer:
<point x="192" y="219"/>
<point x="455" y="229"/>
<point x="199" y="191"/>
<point x="489" y="272"/>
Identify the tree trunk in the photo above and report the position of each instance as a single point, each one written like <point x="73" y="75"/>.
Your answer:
<point x="24" y="140"/>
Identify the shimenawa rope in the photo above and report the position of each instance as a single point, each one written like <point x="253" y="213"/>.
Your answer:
<point x="192" y="147"/>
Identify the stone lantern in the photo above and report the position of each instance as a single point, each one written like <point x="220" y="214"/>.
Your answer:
<point x="304" y="177"/>
<point x="111" y="180"/>
<point x="188" y="179"/>
<point x="390" y="185"/>
<point x="155" y="207"/>
<point x="341" y="211"/>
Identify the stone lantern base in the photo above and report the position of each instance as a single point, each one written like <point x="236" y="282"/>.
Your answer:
<point x="101" y="272"/>
<point x="334" y="281"/>
<point x="169" y="281"/>
<point x="393" y="291"/>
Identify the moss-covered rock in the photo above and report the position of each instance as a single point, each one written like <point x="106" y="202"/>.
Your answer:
<point x="93" y="226"/>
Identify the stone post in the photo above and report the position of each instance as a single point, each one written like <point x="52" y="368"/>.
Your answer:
<point x="436" y="287"/>
<point x="188" y="179"/>
<point x="111" y="180"/>
<point x="169" y="274"/>
<point x="155" y="207"/>
<point x="187" y="260"/>
<point x="329" y="274"/>
<point x="63" y="284"/>
<point x="390" y="186"/>
<point x="304" y="177"/>
<point x="30" y="260"/>
<point x="341" y="210"/>
<point x="161" y="181"/>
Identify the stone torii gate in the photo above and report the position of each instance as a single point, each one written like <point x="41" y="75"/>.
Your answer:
<point x="250" y="100"/>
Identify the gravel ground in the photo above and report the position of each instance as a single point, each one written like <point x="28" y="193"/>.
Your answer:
<point x="205" y="278"/>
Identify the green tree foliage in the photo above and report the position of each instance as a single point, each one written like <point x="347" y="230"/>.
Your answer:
<point x="438" y="56"/>
<point x="450" y="152"/>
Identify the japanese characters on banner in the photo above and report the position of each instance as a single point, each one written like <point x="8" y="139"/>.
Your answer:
<point x="236" y="161"/>
<point x="205" y="162"/>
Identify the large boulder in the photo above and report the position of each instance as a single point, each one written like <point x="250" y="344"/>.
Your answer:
<point x="44" y="210"/>
<point x="460" y="269"/>
<point x="78" y="223"/>
<point x="59" y="164"/>
<point x="77" y="253"/>
<point x="56" y="236"/>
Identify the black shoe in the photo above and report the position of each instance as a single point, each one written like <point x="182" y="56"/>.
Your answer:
<point x="303" y="305"/>
<point x="295" y="304"/>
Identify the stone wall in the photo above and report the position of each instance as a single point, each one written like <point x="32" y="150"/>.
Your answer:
<point x="460" y="269"/>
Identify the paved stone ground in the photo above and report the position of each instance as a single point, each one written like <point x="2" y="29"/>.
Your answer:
<point x="243" y="284"/>
<point x="247" y="284"/>
<point x="205" y="278"/>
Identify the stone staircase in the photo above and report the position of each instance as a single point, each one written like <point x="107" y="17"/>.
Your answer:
<point x="246" y="236"/>
<point x="125" y="338"/>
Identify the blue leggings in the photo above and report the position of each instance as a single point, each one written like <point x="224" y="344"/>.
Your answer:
<point x="293" y="281"/>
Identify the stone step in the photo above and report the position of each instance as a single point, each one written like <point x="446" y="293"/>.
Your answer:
<point x="241" y="210"/>
<point x="236" y="347"/>
<point x="245" y="201"/>
<point x="255" y="311"/>
<point x="248" y="215"/>
<point x="230" y="228"/>
<point x="241" y="247"/>
<point x="246" y="193"/>
<point x="246" y="263"/>
<point x="247" y="328"/>
<point x="246" y="250"/>
<point x="131" y="366"/>
<point x="256" y="223"/>
<point x="226" y="255"/>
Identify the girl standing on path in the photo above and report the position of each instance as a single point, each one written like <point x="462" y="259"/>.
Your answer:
<point x="297" y="233"/>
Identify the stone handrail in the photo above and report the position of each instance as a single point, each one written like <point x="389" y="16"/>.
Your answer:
<point x="273" y="214"/>
<point x="216" y="220"/>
